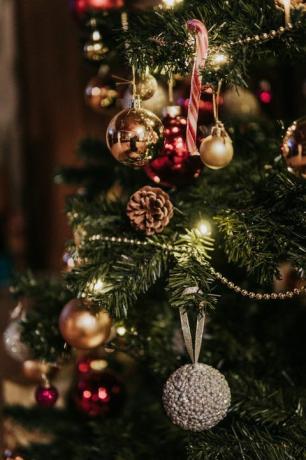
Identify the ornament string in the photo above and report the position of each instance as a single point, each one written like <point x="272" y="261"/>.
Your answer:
<point x="193" y="351"/>
<point x="216" y="102"/>
<point x="170" y="89"/>
<point x="201" y="37"/>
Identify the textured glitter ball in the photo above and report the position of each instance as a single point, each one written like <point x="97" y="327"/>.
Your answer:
<point x="196" y="397"/>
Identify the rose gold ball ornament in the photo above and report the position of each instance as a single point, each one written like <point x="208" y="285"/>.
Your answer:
<point x="83" y="329"/>
<point x="101" y="93"/>
<point x="217" y="150"/>
<point x="146" y="86"/>
<point x="294" y="148"/>
<point x="132" y="135"/>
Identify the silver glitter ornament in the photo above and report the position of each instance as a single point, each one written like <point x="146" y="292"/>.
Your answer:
<point x="196" y="397"/>
<point x="14" y="347"/>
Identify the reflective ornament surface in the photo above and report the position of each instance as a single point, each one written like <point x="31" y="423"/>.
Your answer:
<point x="294" y="148"/>
<point x="83" y="7"/>
<point x="98" y="391"/>
<point x="196" y="397"/>
<point x="83" y="329"/>
<point x="101" y="93"/>
<point x="14" y="347"/>
<point x="46" y="395"/>
<point x="146" y="86"/>
<point x="94" y="48"/>
<point x="34" y="370"/>
<point x="174" y="166"/>
<point x="216" y="150"/>
<point x="132" y="136"/>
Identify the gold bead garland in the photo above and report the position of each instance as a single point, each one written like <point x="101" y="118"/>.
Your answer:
<point x="217" y="275"/>
<point x="260" y="38"/>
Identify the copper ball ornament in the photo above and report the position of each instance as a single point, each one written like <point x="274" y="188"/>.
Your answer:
<point x="217" y="150"/>
<point x="146" y="86"/>
<point x="83" y="329"/>
<point x="100" y="93"/>
<point x="132" y="135"/>
<point x="294" y="148"/>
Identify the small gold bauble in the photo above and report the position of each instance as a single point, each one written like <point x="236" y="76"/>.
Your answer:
<point x="94" y="48"/>
<point x="217" y="150"/>
<point x="293" y="4"/>
<point x="294" y="148"/>
<point x="146" y="86"/>
<point x="132" y="134"/>
<point x="34" y="370"/>
<point x="100" y="93"/>
<point x="83" y="329"/>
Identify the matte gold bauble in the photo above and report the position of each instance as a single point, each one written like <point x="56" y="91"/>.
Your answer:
<point x="83" y="329"/>
<point x="34" y="370"/>
<point x="146" y="86"/>
<point x="132" y="135"/>
<point x="217" y="150"/>
<point x="294" y="148"/>
<point x="100" y="93"/>
<point x="94" y="48"/>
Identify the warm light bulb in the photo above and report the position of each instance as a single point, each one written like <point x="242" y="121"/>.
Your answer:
<point x="204" y="227"/>
<point x="121" y="331"/>
<point x="95" y="286"/>
<point x="219" y="59"/>
<point x="168" y="4"/>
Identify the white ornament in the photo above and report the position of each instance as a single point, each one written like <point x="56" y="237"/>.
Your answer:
<point x="15" y="348"/>
<point x="196" y="397"/>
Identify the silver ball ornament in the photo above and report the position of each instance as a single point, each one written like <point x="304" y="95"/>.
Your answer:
<point x="13" y="345"/>
<point x="196" y="397"/>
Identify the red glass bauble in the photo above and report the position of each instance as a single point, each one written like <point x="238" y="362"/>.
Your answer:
<point x="81" y="7"/>
<point x="98" y="391"/>
<point x="46" y="396"/>
<point x="174" y="166"/>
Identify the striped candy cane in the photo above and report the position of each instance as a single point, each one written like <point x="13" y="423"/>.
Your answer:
<point x="200" y="31"/>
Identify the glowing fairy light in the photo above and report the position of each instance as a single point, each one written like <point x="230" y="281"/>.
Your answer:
<point x="168" y="4"/>
<point x="204" y="227"/>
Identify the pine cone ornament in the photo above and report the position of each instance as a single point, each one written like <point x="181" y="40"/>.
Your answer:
<point x="150" y="210"/>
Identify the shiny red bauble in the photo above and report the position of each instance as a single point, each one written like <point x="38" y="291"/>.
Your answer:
<point x="98" y="391"/>
<point x="82" y="7"/>
<point x="46" y="396"/>
<point x="174" y="166"/>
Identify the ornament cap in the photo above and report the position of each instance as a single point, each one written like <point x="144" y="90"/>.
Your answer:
<point x="172" y="111"/>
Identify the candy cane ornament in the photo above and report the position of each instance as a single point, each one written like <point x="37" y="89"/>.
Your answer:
<point x="198" y="28"/>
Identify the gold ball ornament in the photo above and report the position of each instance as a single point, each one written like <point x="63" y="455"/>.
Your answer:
<point x="294" y="148"/>
<point x="293" y="4"/>
<point x="132" y="135"/>
<point x="34" y="370"/>
<point x="217" y="150"/>
<point x="100" y="94"/>
<point x="83" y="329"/>
<point x="94" y="48"/>
<point x="146" y="86"/>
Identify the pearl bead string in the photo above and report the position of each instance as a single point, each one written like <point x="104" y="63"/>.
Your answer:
<point x="260" y="38"/>
<point x="217" y="275"/>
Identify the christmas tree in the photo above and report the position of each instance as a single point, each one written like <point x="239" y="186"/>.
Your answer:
<point x="186" y="230"/>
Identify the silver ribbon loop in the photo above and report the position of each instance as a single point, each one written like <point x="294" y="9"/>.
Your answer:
<point x="193" y="352"/>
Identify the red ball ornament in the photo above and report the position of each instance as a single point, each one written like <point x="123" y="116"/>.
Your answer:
<point x="98" y="391"/>
<point x="174" y="166"/>
<point x="82" y="7"/>
<point x="46" y="395"/>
